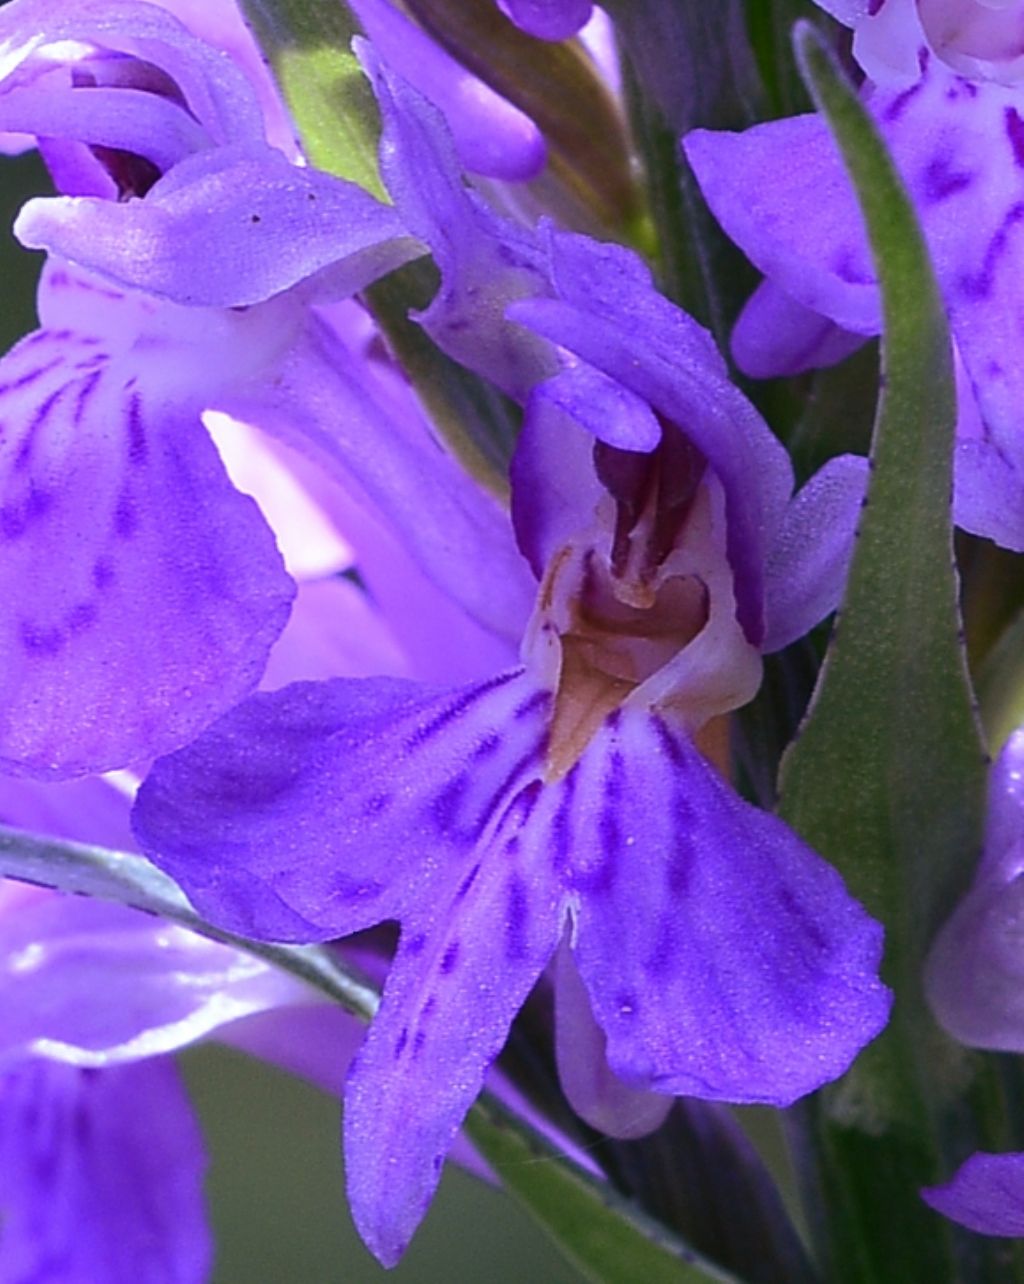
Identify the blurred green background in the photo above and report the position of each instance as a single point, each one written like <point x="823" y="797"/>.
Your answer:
<point x="275" y="1182"/>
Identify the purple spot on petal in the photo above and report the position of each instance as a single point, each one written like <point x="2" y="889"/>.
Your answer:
<point x="126" y="521"/>
<point x="1014" y="126"/>
<point x="846" y="269"/>
<point x="103" y="573"/>
<point x="82" y="617"/>
<point x="450" y="959"/>
<point x="137" y="445"/>
<point x="902" y="101"/>
<point x="403" y="1039"/>
<point x="941" y="181"/>
<point x="32" y="376"/>
<point x="467" y="883"/>
<point x="377" y="803"/>
<point x="487" y="747"/>
<point x="455" y="710"/>
<point x="661" y="957"/>
<point x="561" y="825"/>
<point x="40" y="641"/>
<point x="517" y="913"/>
<point x="429" y="1008"/>
<point x="416" y="944"/>
<point x="537" y="701"/>
<point x="85" y="395"/>
<point x="418" y="1041"/>
<point x="444" y="808"/>
<point x="979" y="285"/>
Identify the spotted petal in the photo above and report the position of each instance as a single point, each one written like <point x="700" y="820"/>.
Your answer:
<point x="321" y="809"/>
<point x="469" y="955"/>
<point x="143" y="592"/>
<point x="724" y="959"/>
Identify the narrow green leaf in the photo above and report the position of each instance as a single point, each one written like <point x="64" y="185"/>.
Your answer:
<point x="887" y="777"/>
<point x="608" y="1240"/>
<point x="308" y="44"/>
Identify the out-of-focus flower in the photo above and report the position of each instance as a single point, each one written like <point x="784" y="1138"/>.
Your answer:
<point x="781" y="192"/>
<point x="979" y="39"/>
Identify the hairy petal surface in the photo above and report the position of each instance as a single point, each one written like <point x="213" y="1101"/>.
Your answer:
<point x="468" y="958"/>
<point x="724" y="959"/>
<point x="321" y="809"/>
<point x="808" y="561"/>
<point x="227" y="228"/>
<point x="92" y="1189"/>
<point x="169" y="591"/>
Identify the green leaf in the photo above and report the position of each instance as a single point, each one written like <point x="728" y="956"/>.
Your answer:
<point x="606" y="1238"/>
<point x="308" y="44"/>
<point x="887" y="777"/>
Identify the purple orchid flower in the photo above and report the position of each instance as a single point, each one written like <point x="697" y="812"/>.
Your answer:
<point x="567" y="801"/>
<point x="170" y="591"/>
<point x="975" y="985"/>
<point x="959" y="147"/>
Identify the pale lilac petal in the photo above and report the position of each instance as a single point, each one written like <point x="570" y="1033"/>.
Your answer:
<point x="986" y="1194"/>
<point x="724" y="959"/>
<point x="310" y="543"/>
<point x="594" y="1092"/>
<point x="169" y="591"/>
<point x="91" y="810"/>
<point x="975" y="973"/>
<point x="334" y="631"/>
<point x="807" y="563"/>
<point x="782" y="194"/>
<point x="283" y="822"/>
<point x="317" y="400"/>
<point x="492" y="136"/>
<point x="775" y="336"/>
<point x="469" y="956"/>
<point x="441" y="643"/>
<point x="95" y="984"/>
<point x="130" y="120"/>
<point x="227" y="228"/>
<point x="101" y="1176"/>
<point x="989" y="496"/>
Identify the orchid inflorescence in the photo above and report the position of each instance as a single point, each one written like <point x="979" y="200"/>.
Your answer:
<point x="423" y="504"/>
